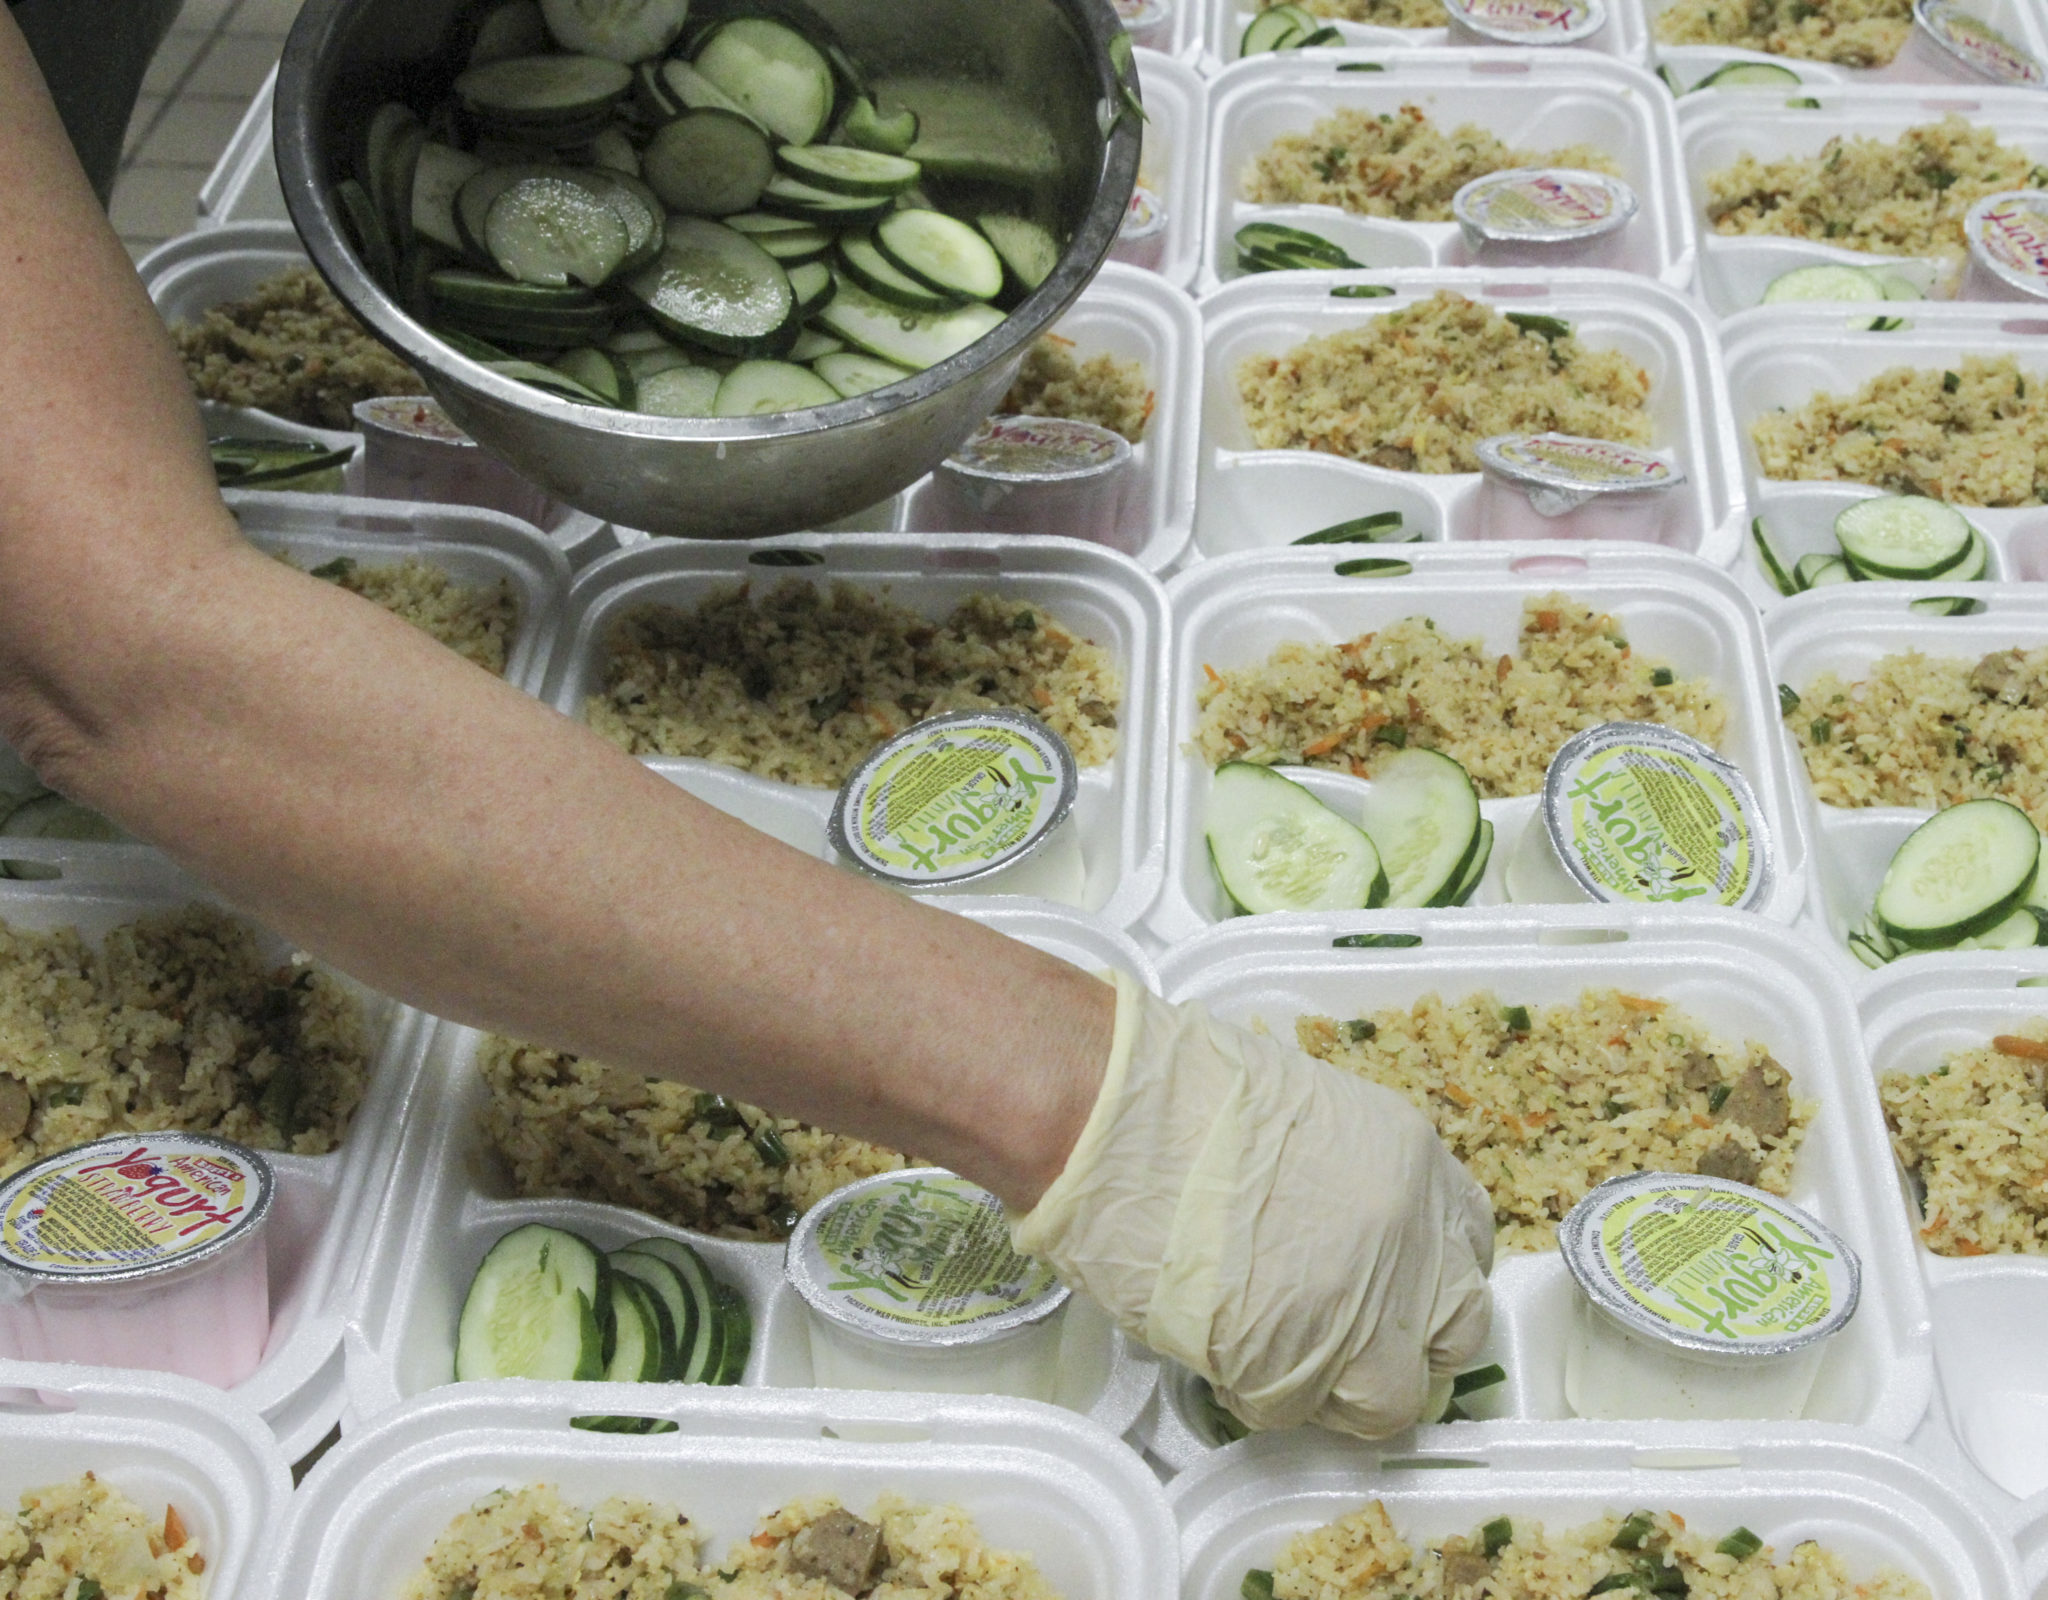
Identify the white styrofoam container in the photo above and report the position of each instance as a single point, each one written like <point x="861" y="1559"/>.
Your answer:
<point x="320" y="1221"/>
<point x="1176" y="114"/>
<point x="1845" y="630"/>
<point x="1625" y="36"/>
<point x="1093" y="591"/>
<point x="161" y="1441"/>
<point x="1530" y="99"/>
<point x="1874" y="1505"/>
<point x="1034" y="1478"/>
<point x="1920" y="61"/>
<point x="1233" y="612"/>
<point x="1989" y="1310"/>
<point x="449" y="1202"/>
<point x="1779" y="359"/>
<point x="188" y="276"/>
<point x="2030" y="1532"/>
<point x="1743" y="978"/>
<point x="1133" y="315"/>
<point x="1253" y="499"/>
<point x="1715" y="130"/>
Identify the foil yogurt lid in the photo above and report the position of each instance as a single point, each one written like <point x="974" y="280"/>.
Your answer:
<point x="1643" y="814"/>
<point x="1144" y="217"/>
<point x="2008" y="237"/>
<point x="417" y="416"/>
<point x="919" y="1258"/>
<point x="1560" y="472"/>
<point x="1977" y="45"/>
<point x="130" y="1206"/>
<point x="955" y="798"/>
<point x="1542" y="205"/>
<point x="1530" y="21"/>
<point x="1709" y="1266"/>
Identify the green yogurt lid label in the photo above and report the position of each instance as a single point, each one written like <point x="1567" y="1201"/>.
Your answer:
<point x="1640" y="812"/>
<point x="918" y="1258"/>
<point x="131" y="1204"/>
<point x="1709" y="1265"/>
<point x="956" y="797"/>
<point x="1978" y="45"/>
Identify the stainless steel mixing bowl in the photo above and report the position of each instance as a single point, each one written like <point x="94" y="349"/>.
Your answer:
<point x="740" y="477"/>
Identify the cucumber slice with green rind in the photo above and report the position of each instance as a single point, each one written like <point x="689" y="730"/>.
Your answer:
<point x="438" y="177"/>
<point x="1829" y="281"/>
<point x="1818" y="570"/>
<point x="774" y="72"/>
<point x="686" y="89"/>
<point x="1276" y="28"/>
<point x="2020" y="931"/>
<point x="636" y="1354"/>
<point x="715" y="287"/>
<point x="1276" y="847"/>
<point x="867" y="127"/>
<point x="515" y="28"/>
<point x="542" y="89"/>
<point x="599" y="371"/>
<point x="1029" y="251"/>
<point x="1906" y="536"/>
<point x="679" y="391"/>
<point x="1422" y="814"/>
<point x="1749" y="74"/>
<point x="553" y="231"/>
<point x="664" y="1285"/>
<point x="1959" y="874"/>
<point x="763" y="388"/>
<point x="913" y="340"/>
<point x="532" y="1309"/>
<point x="874" y="272"/>
<point x="813" y="284"/>
<point x="1774" y="569"/>
<point x="739" y="1334"/>
<point x="1944" y="605"/>
<point x="941" y="252"/>
<point x="808" y="203"/>
<point x="845" y="170"/>
<point x="704" y="1359"/>
<point x="709" y="163"/>
<point x="853" y="374"/>
<point x="1475" y="869"/>
<point x="617" y="30"/>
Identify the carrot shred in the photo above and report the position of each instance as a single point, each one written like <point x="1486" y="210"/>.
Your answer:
<point x="174" y="1529"/>
<point x="1548" y="621"/>
<point x="1214" y="675"/>
<point x="2012" y="1044"/>
<point x="1458" y="1097"/>
<point x="1323" y="746"/>
<point x="765" y="1541"/>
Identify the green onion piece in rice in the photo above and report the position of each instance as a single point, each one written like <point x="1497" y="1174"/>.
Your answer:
<point x="1634" y="1529"/>
<point x="677" y="1590"/>
<point x="1951" y="382"/>
<point x="1822" y="730"/>
<point x="1257" y="1585"/>
<point x="1516" y="1018"/>
<point x="1616" y="1580"/>
<point x="1717" y="1097"/>
<point x="769" y="1147"/>
<point x="1545" y="327"/>
<point x="333" y="571"/>
<point x="1611" y="1109"/>
<point x="1360" y="1029"/>
<point x="1394" y="733"/>
<point x="1741" y="1544"/>
<point x="1788" y="699"/>
<point x="1496" y="1536"/>
<point x="718" y="1114"/>
<point x="1661" y="678"/>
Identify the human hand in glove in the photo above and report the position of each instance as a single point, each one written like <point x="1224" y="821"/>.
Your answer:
<point x="1298" y="1236"/>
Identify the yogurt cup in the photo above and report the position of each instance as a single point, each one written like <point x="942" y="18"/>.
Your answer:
<point x="1559" y="486"/>
<point x="2008" y="239"/>
<point x="140" y="1250"/>
<point x="1960" y="37"/>
<point x="1148" y="22"/>
<point x="911" y="1282"/>
<point x="956" y="799"/>
<point x="413" y="451"/>
<point x="1528" y="22"/>
<point x="1638" y="813"/>
<point x="1547" y="210"/>
<point x="1141" y="239"/>
<point x="1700" y="1298"/>
<point x="1040" y="475"/>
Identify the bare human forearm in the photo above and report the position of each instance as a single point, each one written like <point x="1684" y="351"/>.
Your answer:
<point x="419" y="823"/>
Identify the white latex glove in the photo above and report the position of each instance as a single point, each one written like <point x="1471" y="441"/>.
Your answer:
<point x="1296" y="1235"/>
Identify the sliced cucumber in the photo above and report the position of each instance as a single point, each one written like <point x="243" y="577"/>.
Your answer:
<point x="684" y="88"/>
<point x="709" y="163"/>
<point x="645" y="364"/>
<point x="553" y="230"/>
<point x="853" y="374"/>
<point x="845" y="170"/>
<point x="1945" y="605"/>
<point x="1828" y="282"/>
<point x="391" y="158"/>
<point x="774" y="72"/>
<point x="636" y="1354"/>
<point x="739" y="1334"/>
<point x="1475" y="869"/>
<point x="976" y="132"/>
<point x="2020" y="931"/>
<point x="529" y="92"/>
<point x="541" y="377"/>
<point x="272" y="463"/>
<point x="1749" y="75"/>
<point x="702" y="1361"/>
<point x="437" y="179"/>
<point x="372" y="238"/>
<point x="1817" y="571"/>
<point x="761" y="388"/>
<point x="865" y="126"/>
<point x="1959" y="874"/>
<point x="665" y="1287"/>
<point x="1276" y="847"/>
<point x="532" y="1309"/>
<point x="792" y="241"/>
<point x="916" y="340"/>
<point x="874" y="272"/>
<point x="514" y="28"/>
<point x="808" y="203"/>
<point x="614" y="151"/>
<point x="812" y="283"/>
<point x="1379" y="527"/>
<point x="1903" y="536"/>
<point x="1422" y="815"/>
<point x="1774" y="569"/>
<point x="1277" y="28"/>
<point x="1975" y="564"/>
<point x="599" y="371"/>
<point x="678" y="391"/>
<point x="812" y="345"/>
<point x="1029" y="252"/>
<point x="716" y="287"/>
<point x="942" y="253"/>
<point x="617" y="30"/>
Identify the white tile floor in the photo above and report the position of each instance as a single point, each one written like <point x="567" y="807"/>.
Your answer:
<point x="210" y="66"/>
